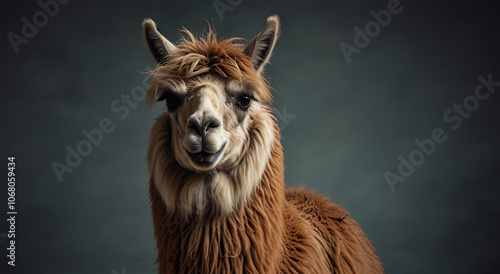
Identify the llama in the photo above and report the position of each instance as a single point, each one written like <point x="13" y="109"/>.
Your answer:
<point x="216" y="164"/>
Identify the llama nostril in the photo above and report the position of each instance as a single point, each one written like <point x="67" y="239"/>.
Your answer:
<point x="205" y="127"/>
<point x="194" y="125"/>
<point x="212" y="125"/>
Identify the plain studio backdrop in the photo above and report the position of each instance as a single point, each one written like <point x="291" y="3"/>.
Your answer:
<point x="347" y="126"/>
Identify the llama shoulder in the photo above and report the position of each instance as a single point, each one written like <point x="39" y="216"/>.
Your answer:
<point x="313" y="206"/>
<point x="316" y="218"/>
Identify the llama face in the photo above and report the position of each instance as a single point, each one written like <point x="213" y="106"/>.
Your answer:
<point x="210" y="117"/>
<point x="210" y="148"/>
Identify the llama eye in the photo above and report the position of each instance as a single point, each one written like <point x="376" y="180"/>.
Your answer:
<point x="171" y="99"/>
<point x="244" y="101"/>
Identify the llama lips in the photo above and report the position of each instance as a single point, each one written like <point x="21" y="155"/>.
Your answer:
<point x="204" y="158"/>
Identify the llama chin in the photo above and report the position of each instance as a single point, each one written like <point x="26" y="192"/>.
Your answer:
<point x="221" y="190"/>
<point x="216" y="164"/>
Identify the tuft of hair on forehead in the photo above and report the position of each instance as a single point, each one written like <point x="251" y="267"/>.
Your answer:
<point x="208" y="54"/>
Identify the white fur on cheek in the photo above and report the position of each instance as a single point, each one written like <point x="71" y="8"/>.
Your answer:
<point x="248" y="174"/>
<point x="223" y="189"/>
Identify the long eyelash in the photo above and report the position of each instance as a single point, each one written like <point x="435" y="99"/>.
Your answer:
<point x="252" y="97"/>
<point x="249" y="95"/>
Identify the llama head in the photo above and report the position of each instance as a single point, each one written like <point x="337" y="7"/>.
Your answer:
<point x="209" y="149"/>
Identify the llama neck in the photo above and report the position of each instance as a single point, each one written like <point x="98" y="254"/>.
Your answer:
<point x="247" y="240"/>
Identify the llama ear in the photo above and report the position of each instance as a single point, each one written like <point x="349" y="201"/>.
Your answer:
<point x="159" y="47"/>
<point x="261" y="47"/>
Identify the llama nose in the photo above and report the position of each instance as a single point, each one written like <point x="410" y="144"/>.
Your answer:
<point x="204" y="126"/>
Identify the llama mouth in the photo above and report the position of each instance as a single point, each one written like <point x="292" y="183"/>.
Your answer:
<point x="204" y="158"/>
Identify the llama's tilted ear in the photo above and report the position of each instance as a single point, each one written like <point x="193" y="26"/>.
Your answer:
<point x="158" y="45"/>
<point x="261" y="47"/>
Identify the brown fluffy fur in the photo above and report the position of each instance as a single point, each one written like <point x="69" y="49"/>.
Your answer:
<point x="196" y="57"/>
<point x="277" y="229"/>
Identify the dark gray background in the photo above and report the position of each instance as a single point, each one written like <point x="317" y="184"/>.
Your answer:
<point x="352" y="121"/>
